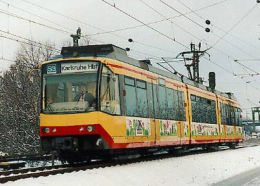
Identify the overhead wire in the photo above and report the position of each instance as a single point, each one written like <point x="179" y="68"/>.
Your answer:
<point x="228" y="33"/>
<point x="244" y="66"/>
<point x="252" y="70"/>
<point x="60" y="14"/>
<point x="170" y="20"/>
<point x="141" y="43"/>
<point x="31" y="13"/>
<point x="250" y="10"/>
<point x="196" y="24"/>
<point x="248" y="60"/>
<point x="213" y="25"/>
<point x="112" y="5"/>
<point x="42" y="25"/>
<point x="171" y="7"/>
<point x="222" y="1"/>
<point x="29" y="40"/>
<point x="188" y="33"/>
<point x="159" y="32"/>
<point x="220" y="38"/>
<point x="159" y="21"/>
<point x="35" y="22"/>
<point x="235" y="25"/>
<point x="48" y="26"/>
<point x="159" y="13"/>
<point x="77" y="20"/>
<point x="95" y="27"/>
<point x="20" y="41"/>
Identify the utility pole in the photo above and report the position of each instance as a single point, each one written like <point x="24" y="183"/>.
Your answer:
<point x="191" y="61"/>
<point x="255" y="110"/>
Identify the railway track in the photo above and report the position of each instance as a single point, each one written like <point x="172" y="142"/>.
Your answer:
<point x="36" y="157"/>
<point x="13" y="175"/>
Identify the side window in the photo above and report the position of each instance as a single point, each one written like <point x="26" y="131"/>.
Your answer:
<point x="223" y="113"/>
<point x="201" y="115"/>
<point x="194" y="108"/>
<point x="130" y="97"/>
<point x="212" y="116"/>
<point x="233" y="117"/>
<point x="162" y="102"/>
<point x="171" y="105"/>
<point x="150" y="100"/>
<point x="109" y="94"/>
<point x="176" y="104"/>
<point x="181" y="108"/>
<point x="155" y="101"/>
<point x="141" y="98"/>
<point x="203" y="110"/>
<point x="238" y="118"/>
<point x="228" y="114"/>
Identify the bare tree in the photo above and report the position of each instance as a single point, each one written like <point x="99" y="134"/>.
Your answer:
<point x="19" y="100"/>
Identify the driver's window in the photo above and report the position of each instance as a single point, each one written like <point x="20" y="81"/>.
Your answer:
<point x="109" y="95"/>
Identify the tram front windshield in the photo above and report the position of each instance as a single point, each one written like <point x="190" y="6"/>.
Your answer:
<point x="70" y="92"/>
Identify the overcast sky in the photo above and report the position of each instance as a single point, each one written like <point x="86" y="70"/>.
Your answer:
<point x="234" y="35"/>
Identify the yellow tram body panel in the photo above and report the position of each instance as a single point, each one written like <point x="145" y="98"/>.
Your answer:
<point x="182" y="132"/>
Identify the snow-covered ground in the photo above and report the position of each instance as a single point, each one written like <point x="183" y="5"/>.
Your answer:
<point x="3" y="154"/>
<point x="200" y="169"/>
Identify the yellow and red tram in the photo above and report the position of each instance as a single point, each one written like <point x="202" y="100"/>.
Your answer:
<point x="96" y="98"/>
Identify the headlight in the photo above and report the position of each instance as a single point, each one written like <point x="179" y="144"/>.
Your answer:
<point x="46" y="130"/>
<point x="81" y="129"/>
<point x="91" y="128"/>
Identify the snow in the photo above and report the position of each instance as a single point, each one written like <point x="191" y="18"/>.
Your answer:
<point x="3" y="154"/>
<point x="255" y="181"/>
<point x="199" y="169"/>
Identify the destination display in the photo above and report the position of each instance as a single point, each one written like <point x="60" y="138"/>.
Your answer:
<point x="79" y="67"/>
<point x="51" y="69"/>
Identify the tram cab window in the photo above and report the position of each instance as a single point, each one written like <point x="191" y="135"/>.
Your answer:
<point x="70" y="93"/>
<point x="109" y="93"/>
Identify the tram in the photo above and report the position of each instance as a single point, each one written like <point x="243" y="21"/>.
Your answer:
<point x="97" y="100"/>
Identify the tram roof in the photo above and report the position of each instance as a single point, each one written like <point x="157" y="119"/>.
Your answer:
<point x="114" y="52"/>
